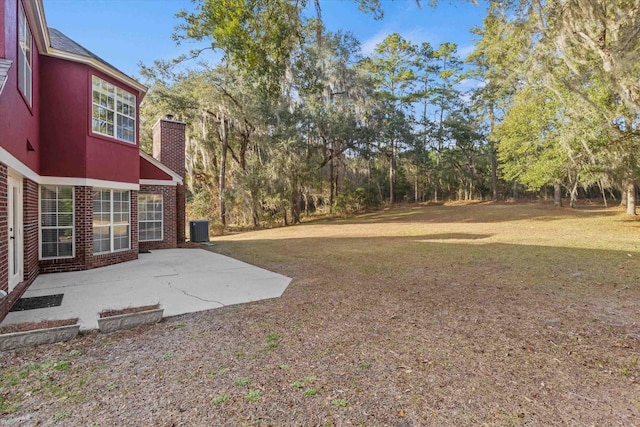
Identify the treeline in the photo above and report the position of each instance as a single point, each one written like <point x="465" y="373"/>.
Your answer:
<point x="294" y="119"/>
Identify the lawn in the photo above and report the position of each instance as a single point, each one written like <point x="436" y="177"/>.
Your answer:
<point x="475" y="314"/>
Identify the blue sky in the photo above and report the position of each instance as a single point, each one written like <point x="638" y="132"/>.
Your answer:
<point x="126" y="32"/>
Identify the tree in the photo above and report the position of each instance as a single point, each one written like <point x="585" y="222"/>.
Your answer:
<point x="597" y="45"/>
<point x="391" y="68"/>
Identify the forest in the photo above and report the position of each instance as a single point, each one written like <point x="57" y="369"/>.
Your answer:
<point x="295" y="120"/>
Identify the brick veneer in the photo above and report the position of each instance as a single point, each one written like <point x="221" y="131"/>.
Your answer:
<point x="169" y="148"/>
<point x="30" y="242"/>
<point x="7" y="302"/>
<point x="171" y="152"/>
<point x="168" y="216"/>
<point x="84" y="258"/>
<point x="4" y="244"/>
<point x="30" y="227"/>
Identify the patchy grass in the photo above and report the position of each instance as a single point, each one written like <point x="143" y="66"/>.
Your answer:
<point x="466" y="314"/>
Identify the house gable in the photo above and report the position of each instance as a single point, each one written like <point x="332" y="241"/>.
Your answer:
<point x="152" y="172"/>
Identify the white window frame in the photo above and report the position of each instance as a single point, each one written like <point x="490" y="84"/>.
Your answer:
<point x="111" y="218"/>
<point x="42" y="227"/>
<point x="141" y="200"/>
<point x="25" y="56"/>
<point x="112" y="105"/>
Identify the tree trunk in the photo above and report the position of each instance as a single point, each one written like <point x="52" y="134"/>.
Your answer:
<point x="515" y="190"/>
<point x="574" y="194"/>
<point x="392" y="173"/>
<point x="557" y="194"/>
<point x="631" y="197"/>
<point x="223" y="164"/>
<point x="295" y="207"/>
<point x="604" y="195"/>
<point x="494" y="159"/>
<point x="331" y="185"/>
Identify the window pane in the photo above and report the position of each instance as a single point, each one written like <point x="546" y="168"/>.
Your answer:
<point x="47" y="192"/>
<point x="56" y="221"/>
<point x="65" y="249"/>
<point x="48" y="206"/>
<point x="65" y="220"/>
<point x="65" y="193"/>
<point x="149" y="217"/>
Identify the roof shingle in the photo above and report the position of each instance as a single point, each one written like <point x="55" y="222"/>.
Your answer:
<point x="61" y="42"/>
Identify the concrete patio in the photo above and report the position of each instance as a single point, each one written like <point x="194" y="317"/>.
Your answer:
<point x="181" y="280"/>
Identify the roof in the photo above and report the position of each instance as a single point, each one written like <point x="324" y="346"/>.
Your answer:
<point x="5" y="64"/>
<point x="61" y="46"/>
<point x="175" y="178"/>
<point x="61" y="42"/>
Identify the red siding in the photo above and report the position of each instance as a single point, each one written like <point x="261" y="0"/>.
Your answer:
<point x="3" y="31"/>
<point x="69" y="147"/>
<point x="108" y="158"/>
<point x="64" y="133"/>
<point x="23" y="125"/>
<point x="150" y="171"/>
<point x="112" y="161"/>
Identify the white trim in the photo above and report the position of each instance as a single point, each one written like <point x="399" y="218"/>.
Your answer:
<point x="15" y="215"/>
<point x="56" y="53"/>
<point x="88" y="182"/>
<point x="35" y="10"/>
<point x="158" y="182"/>
<point x="161" y="239"/>
<point x="112" y="225"/>
<point x="175" y="177"/>
<point x="73" y="226"/>
<point x="22" y="169"/>
<point x="17" y="165"/>
<point x="118" y="97"/>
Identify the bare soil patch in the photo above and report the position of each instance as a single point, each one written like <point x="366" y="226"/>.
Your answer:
<point x="32" y="326"/>
<point x="483" y="314"/>
<point x="128" y="310"/>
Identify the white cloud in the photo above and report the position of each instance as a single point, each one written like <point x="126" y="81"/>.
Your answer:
<point x="466" y="84"/>
<point x="414" y="35"/>
<point x="466" y="51"/>
<point x="368" y="46"/>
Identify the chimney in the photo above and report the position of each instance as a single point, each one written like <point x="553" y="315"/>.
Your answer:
<point x="169" y="142"/>
<point x="169" y="149"/>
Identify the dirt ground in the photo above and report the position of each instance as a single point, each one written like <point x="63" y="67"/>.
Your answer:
<point x="456" y="315"/>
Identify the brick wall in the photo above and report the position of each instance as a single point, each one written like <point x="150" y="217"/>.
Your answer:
<point x="30" y="227"/>
<point x="169" y="149"/>
<point x="181" y="214"/>
<point x="4" y="244"/>
<point x="30" y="242"/>
<point x="121" y="256"/>
<point x="169" y="144"/>
<point x="84" y="258"/>
<point x="5" y="303"/>
<point x="168" y="216"/>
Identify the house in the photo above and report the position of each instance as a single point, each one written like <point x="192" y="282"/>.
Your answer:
<point x="76" y="191"/>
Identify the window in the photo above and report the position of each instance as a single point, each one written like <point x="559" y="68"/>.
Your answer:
<point x="149" y="217"/>
<point x="24" y="55"/>
<point x="56" y="222"/>
<point x="110" y="221"/>
<point x="114" y="111"/>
